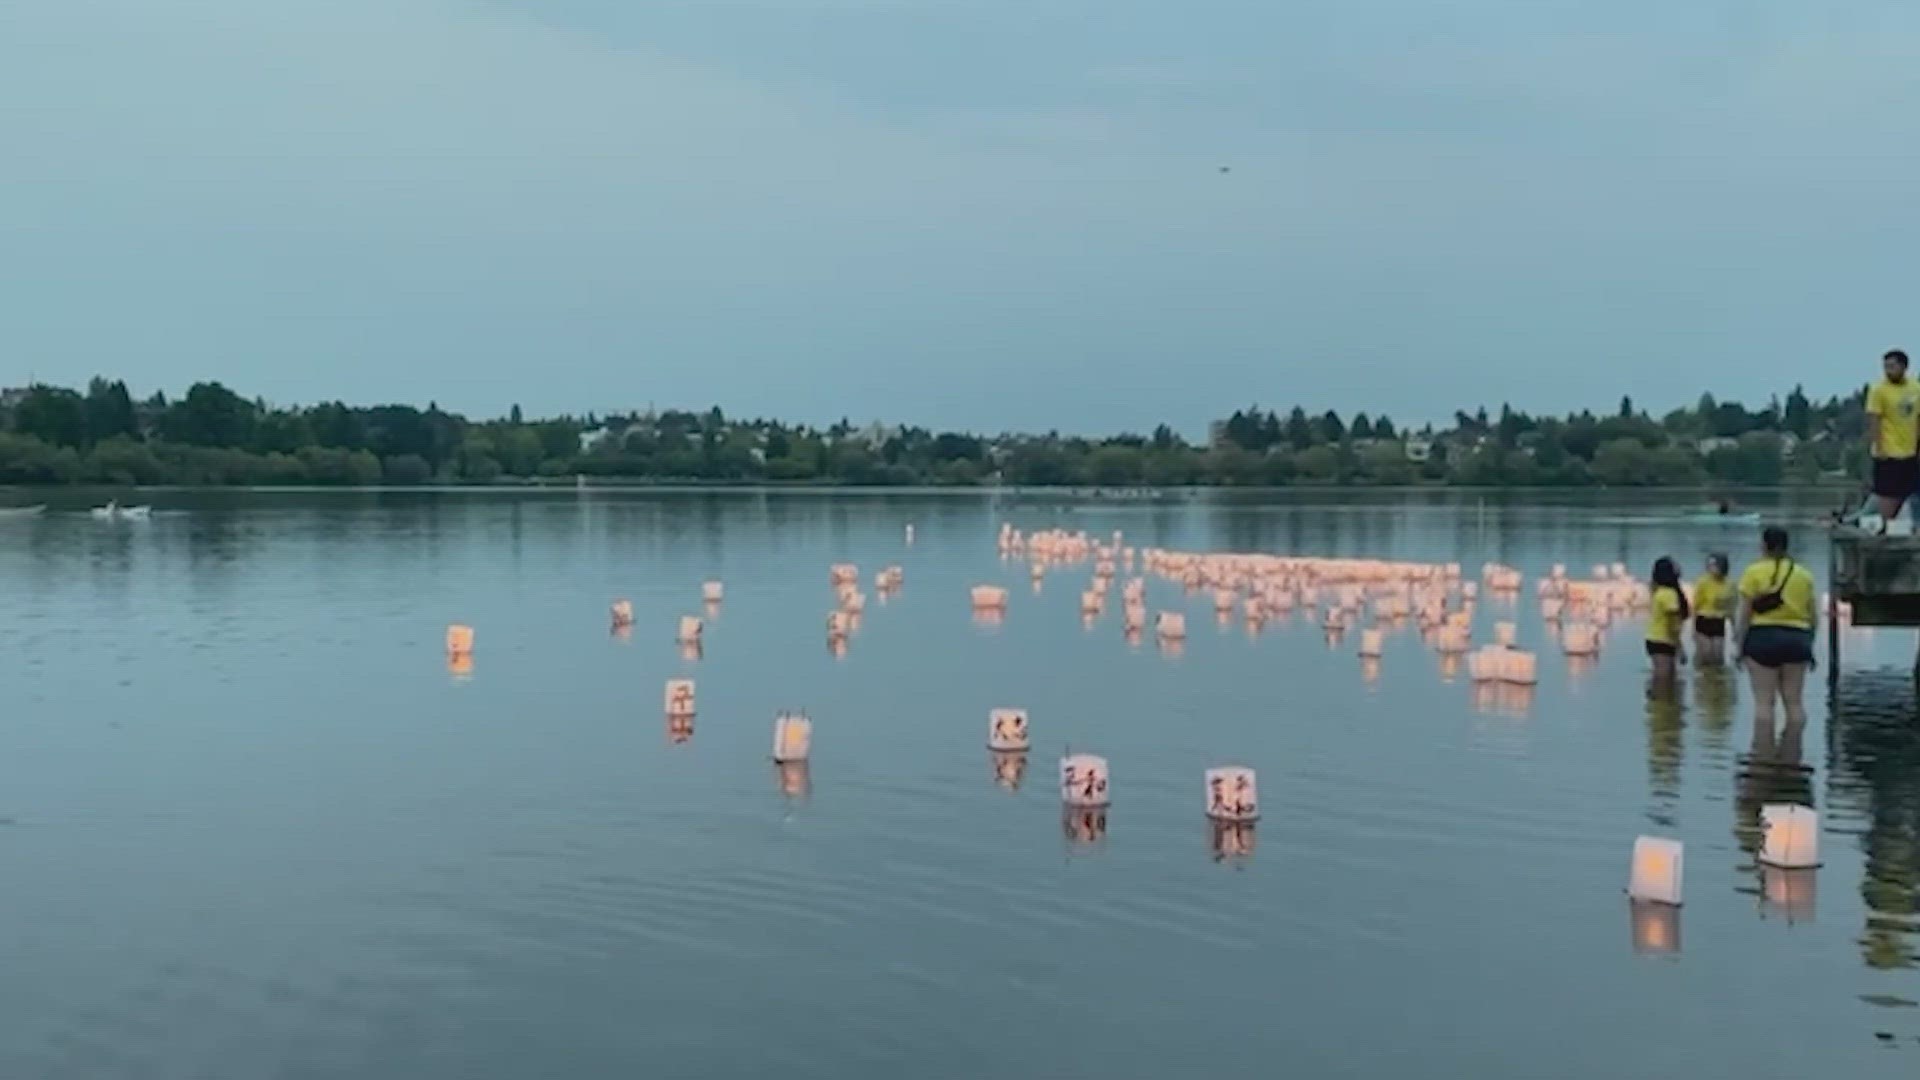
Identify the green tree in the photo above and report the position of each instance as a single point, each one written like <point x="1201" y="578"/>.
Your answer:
<point x="53" y="415"/>
<point x="109" y="411"/>
<point x="210" y="415"/>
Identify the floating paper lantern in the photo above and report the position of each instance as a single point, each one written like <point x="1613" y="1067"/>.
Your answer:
<point x="1372" y="643"/>
<point x="1503" y="634"/>
<point x="1007" y="730"/>
<point x="1792" y="836"/>
<point x="1519" y="668"/>
<point x="1170" y="625"/>
<point x="1231" y="794"/>
<point x="989" y="597"/>
<point x="1084" y="781"/>
<point x="792" y="737"/>
<point x="853" y="603"/>
<point x="1656" y="872"/>
<point x="679" y="697"/>
<point x="690" y="629"/>
<point x="1469" y="590"/>
<point x="1484" y="664"/>
<point x="1090" y="603"/>
<point x="459" y="640"/>
<point x="713" y="592"/>
<point x="1222" y="600"/>
<point x="1452" y="640"/>
<point x="839" y="624"/>
<point x="1551" y="609"/>
<point x="622" y="612"/>
<point x="1580" y="639"/>
<point x="843" y="574"/>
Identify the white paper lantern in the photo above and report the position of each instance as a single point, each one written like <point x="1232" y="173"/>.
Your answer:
<point x="988" y="597"/>
<point x="1656" y="871"/>
<point x="1232" y="794"/>
<point x="792" y="737"/>
<point x="690" y="629"/>
<point x="1792" y="836"/>
<point x="713" y="592"/>
<point x="1007" y="729"/>
<point x="679" y="697"/>
<point x="843" y="574"/>
<point x="1373" y="643"/>
<point x="622" y="612"/>
<point x="1503" y="633"/>
<point x="1519" y="667"/>
<point x="1084" y="781"/>
<point x="1171" y="625"/>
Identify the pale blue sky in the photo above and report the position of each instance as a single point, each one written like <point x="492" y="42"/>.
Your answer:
<point x="970" y="213"/>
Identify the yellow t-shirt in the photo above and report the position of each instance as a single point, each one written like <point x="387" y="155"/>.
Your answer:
<point x="1712" y="597"/>
<point x="1898" y="407"/>
<point x="1663" y="626"/>
<point x="1796" y="592"/>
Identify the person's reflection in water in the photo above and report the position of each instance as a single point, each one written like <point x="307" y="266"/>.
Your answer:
<point x="1716" y="693"/>
<point x="1666" y="728"/>
<point x="1875" y="735"/>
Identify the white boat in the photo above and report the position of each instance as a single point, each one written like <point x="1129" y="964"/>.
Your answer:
<point x="13" y="512"/>
<point x="113" y="511"/>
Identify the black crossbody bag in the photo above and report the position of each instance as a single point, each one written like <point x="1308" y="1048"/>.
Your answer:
<point x="1771" y="599"/>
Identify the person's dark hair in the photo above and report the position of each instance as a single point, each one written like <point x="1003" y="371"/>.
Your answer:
<point x="1666" y="575"/>
<point x="1898" y="356"/>
<point x="1773" y="539"/>
<point x="1718" y="561"/>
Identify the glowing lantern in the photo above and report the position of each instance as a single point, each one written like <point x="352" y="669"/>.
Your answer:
<point x="679" y="697"/>
<point x="1503" y="634"/>
<point x="843" y="574"/>
<point x="1231" y="794"/>
<point x="1484" y="665"/>
<point x="1469" y="590"/>
<point x="792" y="737"/>
<point x="1170" y="625"/>
<point x="1222" y="600"/>
<point x="622" y="612"/>
<point x="690" y="629"/>
<point x="1007" y="730"/>
<point x="459" y="640"/>
<point x="989" y="597"/>
<point x="1090" y="603"/>
<point x="1084" y="781"/>
<point x="1372" y="643"/>
<point x="1518" y="667"/>
<point x="1656" y="873"/>
<point x="1452" y="640"/>
<point x="713" y="592"/>
<point x="1580" y="639"/>
<point x="1792" y="836"/>
<point x="853" y="602"/>
<point x="1551" y="609"/>
<point x="839" y="624"/>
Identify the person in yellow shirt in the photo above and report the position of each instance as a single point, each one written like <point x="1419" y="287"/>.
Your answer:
<point x="1893" y="434"/>
<point x="1776" y="628"/>
<point x="1712" y="606"/>
<point x="1664" y="623"/>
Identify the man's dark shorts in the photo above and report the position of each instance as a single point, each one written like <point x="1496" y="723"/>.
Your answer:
<point x="1896" y="478"/>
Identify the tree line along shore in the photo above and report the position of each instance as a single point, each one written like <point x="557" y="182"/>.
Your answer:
<point x="213" y="436"/>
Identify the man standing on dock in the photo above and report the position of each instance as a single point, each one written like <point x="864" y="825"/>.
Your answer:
<point x="1893" y="432"/>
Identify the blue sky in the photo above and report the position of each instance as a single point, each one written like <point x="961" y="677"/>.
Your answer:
<point x="980" y="214"/>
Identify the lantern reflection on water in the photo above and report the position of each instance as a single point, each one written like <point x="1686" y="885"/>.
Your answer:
<point x="1788" y="894"/>
<point x="1009" y="768"/>
<point x="1084" y="826"/>
<point x="1231" y="841"/>
<point x="1656" y="927"/>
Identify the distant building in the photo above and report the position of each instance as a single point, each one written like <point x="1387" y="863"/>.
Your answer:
<point x="1419" y="451"/>
<point x="876" y="434"/>
<point x="1707" y="446"/>
<point x="12" y="396"/>
<point x="591" y="439"/>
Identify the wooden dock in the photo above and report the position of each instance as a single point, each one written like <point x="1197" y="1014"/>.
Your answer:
<point x="1879" y="576"/>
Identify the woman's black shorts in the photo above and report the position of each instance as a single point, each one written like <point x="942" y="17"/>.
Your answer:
<point x="1710" y="626"/>
<point x="1775" y="646"/>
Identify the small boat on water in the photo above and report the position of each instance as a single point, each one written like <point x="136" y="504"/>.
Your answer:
<point x="113" y="511"/>
<point x="11" y="513"/>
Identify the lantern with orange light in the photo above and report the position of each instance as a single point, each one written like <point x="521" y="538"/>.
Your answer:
<point x="792" y="737"/>
<point x="1656" y="873"/>
<point x="1792" y="836"/>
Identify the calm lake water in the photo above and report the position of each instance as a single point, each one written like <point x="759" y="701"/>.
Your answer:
<point x="254" y="827"/>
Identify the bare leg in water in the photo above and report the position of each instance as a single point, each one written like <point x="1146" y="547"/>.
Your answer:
<point x="1766" y="685"/>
